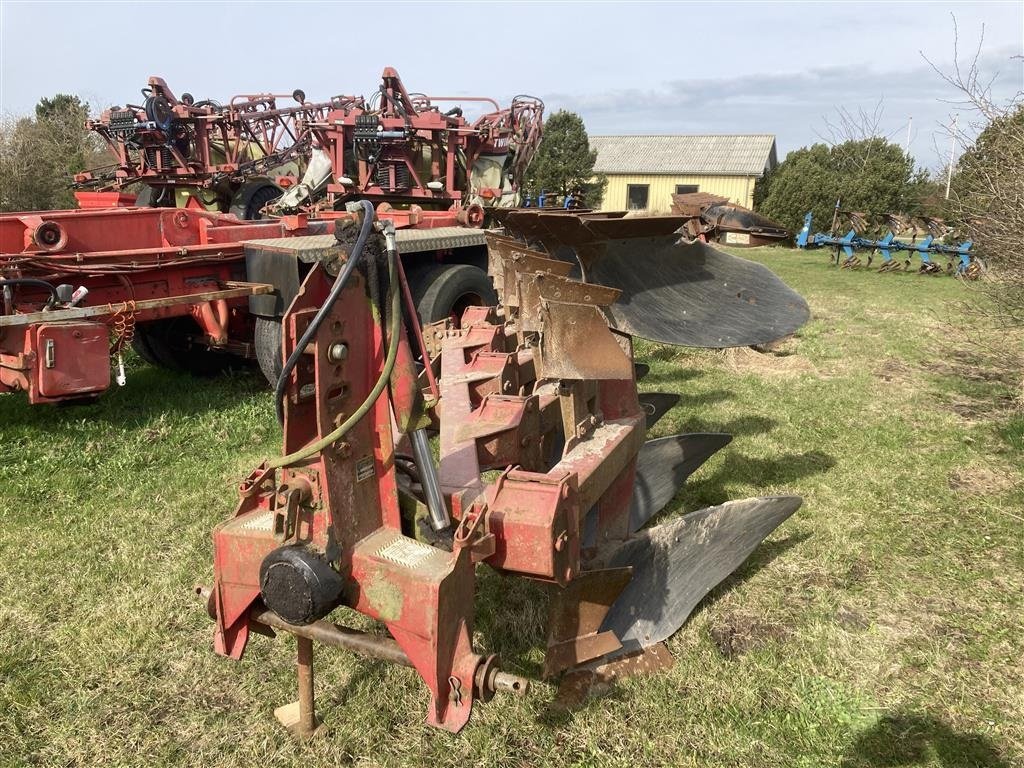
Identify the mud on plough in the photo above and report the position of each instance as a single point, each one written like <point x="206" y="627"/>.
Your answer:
<point x="960" y="259"/>
<point x="544" y="471"/>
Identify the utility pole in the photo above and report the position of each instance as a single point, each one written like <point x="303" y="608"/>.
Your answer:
<point x="906" y="147"/>
<point x="952" y="155"/>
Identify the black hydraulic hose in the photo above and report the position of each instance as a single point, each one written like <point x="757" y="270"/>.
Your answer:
<point x="392" y="318"/>
<point x="339" y="286"/>
<point x="32" y="281"/>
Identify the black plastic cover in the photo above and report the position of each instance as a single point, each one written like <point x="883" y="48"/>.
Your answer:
<point x="299" y="585"/>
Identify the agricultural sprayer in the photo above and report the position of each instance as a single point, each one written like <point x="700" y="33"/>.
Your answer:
<point x="240" y="156"/>
<point x="177" y="152"/>
<point x="961" y="261"/>
<point x="544" y="470"/>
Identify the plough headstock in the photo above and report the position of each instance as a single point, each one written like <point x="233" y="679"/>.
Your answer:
<point x="541" y="388"/>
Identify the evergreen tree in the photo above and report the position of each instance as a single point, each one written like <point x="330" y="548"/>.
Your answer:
<point x="564" y="163"/>
<point x="869" y="175"/>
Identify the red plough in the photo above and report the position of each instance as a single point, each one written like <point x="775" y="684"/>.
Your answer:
<point x="358" y="515"/>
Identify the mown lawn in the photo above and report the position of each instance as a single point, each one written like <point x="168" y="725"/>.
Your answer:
<point x="882" y="625"/>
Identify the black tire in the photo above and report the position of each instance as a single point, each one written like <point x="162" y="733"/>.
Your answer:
<point x="151" y="197"/>
<point x="438" y="292"/>
<point x="168" y="344"/>
<point x="268" y="347"/>
<point x="140" y="343"/>
<point x="248" y="203"/>
<point x="447" y="289"/>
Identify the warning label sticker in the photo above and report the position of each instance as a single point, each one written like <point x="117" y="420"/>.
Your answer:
<point x="364" y="469"/>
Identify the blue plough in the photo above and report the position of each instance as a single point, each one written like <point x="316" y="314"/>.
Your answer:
<point x="962" y="262"/>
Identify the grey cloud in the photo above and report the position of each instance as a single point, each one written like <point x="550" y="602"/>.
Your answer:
<point x="791" y="105"/>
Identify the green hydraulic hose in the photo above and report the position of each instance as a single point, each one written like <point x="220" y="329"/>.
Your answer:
<point x="394" y="331"/>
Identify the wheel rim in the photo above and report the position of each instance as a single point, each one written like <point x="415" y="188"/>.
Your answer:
<point x="460" y="305"/>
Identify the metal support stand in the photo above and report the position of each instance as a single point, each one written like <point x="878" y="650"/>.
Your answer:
<point x="299" y="717"/>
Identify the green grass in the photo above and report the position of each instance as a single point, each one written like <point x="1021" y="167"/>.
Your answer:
<point x="880" y="626"/>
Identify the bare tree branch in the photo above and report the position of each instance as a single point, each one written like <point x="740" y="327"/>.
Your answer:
<point x="987" y="200"/>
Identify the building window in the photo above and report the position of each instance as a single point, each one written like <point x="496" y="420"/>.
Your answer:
<point x="686" y="189"/>
<point x="636" y="196"/>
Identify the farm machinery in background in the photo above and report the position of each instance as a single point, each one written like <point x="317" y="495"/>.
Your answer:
<point x="544" y="471"/>
<point x="393" y="147"/>
<point x="960" y="260"/>
<point x="713" y="218"/>
<point x="400" y="148"/>
<point x="189" y="284"/>
<point x="179" y="152"/>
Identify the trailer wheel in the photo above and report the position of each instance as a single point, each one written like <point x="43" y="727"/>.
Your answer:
<point x="268" y="347"/>
<point x="447" y="289"/>
<point x="140" y="343"/>
<point x="441" y="291"/>
<point x="168" y="344"/>
<point x="248" y="202"/>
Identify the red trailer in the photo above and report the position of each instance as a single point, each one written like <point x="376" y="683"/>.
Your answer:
<point x="72" y="296"/>
<point x="198" y="290"/>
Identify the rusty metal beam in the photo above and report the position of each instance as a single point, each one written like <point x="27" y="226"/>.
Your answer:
<point x="235" y="290"/>
<point x="356" y="641"/>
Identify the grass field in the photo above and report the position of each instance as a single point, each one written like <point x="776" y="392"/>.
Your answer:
<point x="882" y="625"/>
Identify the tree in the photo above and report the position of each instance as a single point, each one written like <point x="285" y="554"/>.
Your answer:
<point x="39" y="156"/>
<point x="987" y="201"/>
<point x="987" y="205"/>
<point x="868" y="174"/>
<point x="988" y="186"/>
<point x="22" y="187"/>
<point x="564" y="163"/>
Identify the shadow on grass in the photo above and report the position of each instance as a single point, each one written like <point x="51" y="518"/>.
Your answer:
<point x="660" y="404"/>
<point x="915" y="739"/>
<point x="561" y="710"/>
<point x="369" y="673"/>
<point x="761" y="557"/>
<point x="705" y="398"/>
<point x="149" y="392"/>
<point x="738" y="468"/>
<point x="745" y="425"/>
<point x="512" y="617"/>
<point x="672" y="376"/>
<point x="555" y="714"/>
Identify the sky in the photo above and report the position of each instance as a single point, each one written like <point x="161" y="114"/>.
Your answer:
<point x="626" y="68"/>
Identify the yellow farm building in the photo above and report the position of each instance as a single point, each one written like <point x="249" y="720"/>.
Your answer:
<point x="645" y="171"/>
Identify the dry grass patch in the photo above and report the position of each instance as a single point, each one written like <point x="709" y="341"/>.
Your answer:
<point x="736" y="633"/>
<point x="983" y="480"/>
<point x="770" y="363"/>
